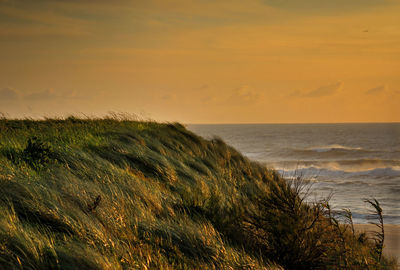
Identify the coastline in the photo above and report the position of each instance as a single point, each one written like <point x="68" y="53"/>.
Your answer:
<point x="392" y="238"/>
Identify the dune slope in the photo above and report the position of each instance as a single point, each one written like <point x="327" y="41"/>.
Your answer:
<point x="119" y="194"/>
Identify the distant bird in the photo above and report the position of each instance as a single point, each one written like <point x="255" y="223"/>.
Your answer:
<point x="366" y="31"/>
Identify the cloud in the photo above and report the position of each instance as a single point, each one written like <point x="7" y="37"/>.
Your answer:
<point x="244" y="94"/>
<point x="204" y="86"/>
<point x="49" y="94"/>
<point x="241" y="95"/>
<point x="328" y="7"/>
<point x="383" y="90"/>
<point x="322" y="91"/>
<point x="20" y="19"/>
<point x="10" y="94"/>
<point x="208" y="94"/>
<point x="296" y="93"/>
<point x="7" y="94"/>
<point x="41" y="95"/>
<point x="209" y="99"/>
<point x="376" y="90"/>
<point x="168" y="97"/>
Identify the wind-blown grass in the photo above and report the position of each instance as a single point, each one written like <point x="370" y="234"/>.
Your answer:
<point x="122" y="194"/>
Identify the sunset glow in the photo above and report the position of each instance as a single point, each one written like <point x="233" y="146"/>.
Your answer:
<point x="253" y="61"/>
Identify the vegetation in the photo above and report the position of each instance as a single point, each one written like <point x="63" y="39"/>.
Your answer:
<point x="120" y="194"/>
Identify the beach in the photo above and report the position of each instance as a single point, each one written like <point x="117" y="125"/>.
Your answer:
<point x="392" y="237"/>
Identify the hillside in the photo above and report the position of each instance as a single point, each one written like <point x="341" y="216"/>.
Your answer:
<point x="120" y="194"/>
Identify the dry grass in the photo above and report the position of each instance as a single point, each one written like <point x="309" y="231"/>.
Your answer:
<point x="123" y="194"/>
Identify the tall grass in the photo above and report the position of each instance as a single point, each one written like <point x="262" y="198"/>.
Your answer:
<point x="121" y="194"/>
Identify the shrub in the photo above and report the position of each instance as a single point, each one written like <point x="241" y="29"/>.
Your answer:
<point x="37" y="153"/>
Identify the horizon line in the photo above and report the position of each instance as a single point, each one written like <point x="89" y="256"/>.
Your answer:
<point x="293" y="123"/>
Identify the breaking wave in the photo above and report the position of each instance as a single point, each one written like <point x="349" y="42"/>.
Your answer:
<point x="333" y="147"/>
<point x="317" y="172"/>
<point x="345" y="165"/>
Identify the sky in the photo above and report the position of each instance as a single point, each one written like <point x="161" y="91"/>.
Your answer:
<point x="202" y="61"/>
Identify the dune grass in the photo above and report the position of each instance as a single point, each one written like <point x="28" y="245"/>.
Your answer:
<point x="122" y="194"/>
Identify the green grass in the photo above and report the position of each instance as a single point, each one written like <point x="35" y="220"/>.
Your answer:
<point x="121" y="194"/>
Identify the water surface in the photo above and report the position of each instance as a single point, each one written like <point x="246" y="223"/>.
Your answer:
<point x="350" y="161"/>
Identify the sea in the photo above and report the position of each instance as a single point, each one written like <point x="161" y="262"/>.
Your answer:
<point x="348" y="163"/>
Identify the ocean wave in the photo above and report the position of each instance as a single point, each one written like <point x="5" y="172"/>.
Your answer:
<point x="331" y="151"/>
<point x="366" y="218"/>
<point x="316" y="173"/>
<point x="382" y="172"/>
<point x="332" y="147"/>
<point x="346" y="165"/>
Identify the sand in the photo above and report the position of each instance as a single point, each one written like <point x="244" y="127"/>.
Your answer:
<point x="392" y="238"/>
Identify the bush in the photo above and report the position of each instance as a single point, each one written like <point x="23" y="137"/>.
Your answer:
<point x="37" y="153"/>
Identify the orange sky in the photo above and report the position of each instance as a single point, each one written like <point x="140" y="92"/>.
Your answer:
<point x="226" y="61"/>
